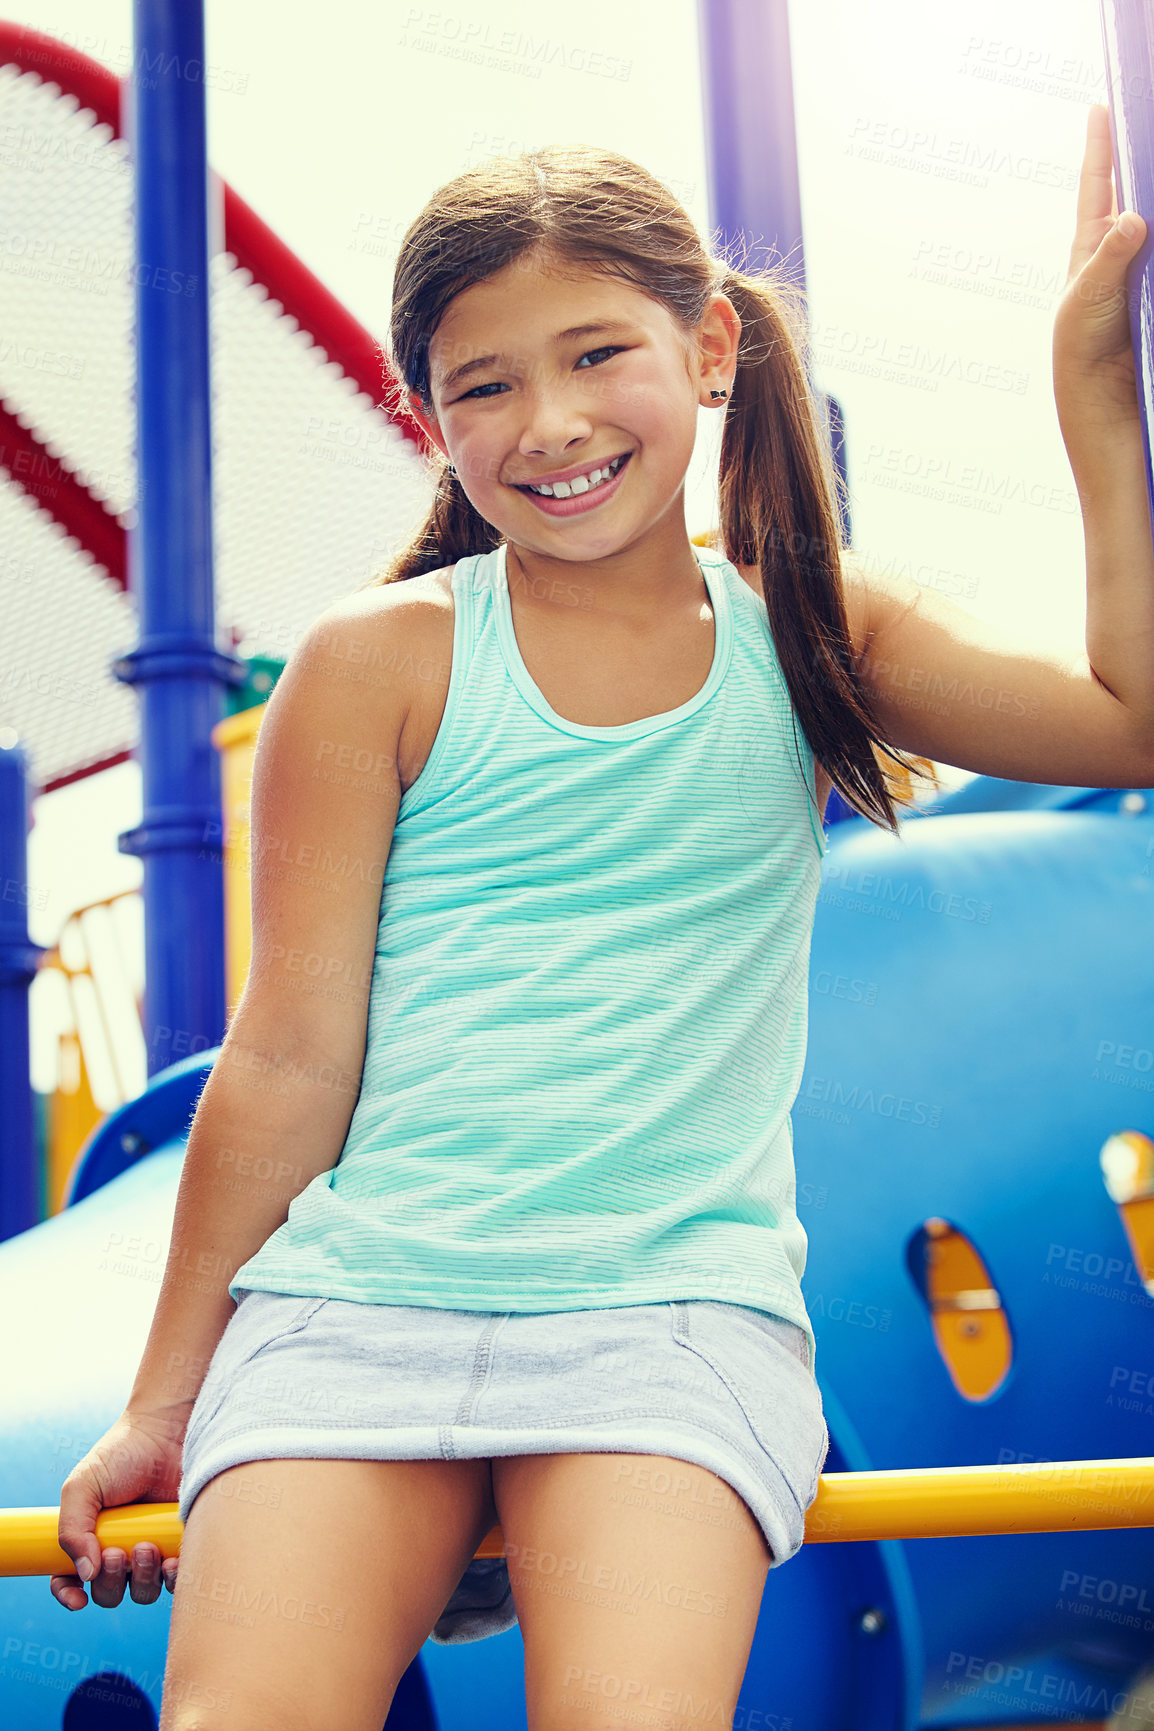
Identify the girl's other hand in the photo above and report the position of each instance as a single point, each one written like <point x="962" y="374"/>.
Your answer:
<point x="1094" y="374"/>
<point x="138" y="1460"/>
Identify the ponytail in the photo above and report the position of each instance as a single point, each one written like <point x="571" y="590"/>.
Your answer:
<point x="777" y="488"/>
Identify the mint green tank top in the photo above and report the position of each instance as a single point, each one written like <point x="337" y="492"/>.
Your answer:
<point x="588" y="1015"/>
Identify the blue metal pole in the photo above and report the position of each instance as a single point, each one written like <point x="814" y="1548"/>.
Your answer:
<point x="19" y="959"/>
<point x="751" y="151"/>
<point x="177" y="665"/>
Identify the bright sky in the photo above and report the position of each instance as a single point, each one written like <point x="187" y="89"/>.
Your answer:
<point x="939" y="150"/>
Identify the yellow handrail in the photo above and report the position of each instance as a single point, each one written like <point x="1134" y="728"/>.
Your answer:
<point x="898" y="1503"/>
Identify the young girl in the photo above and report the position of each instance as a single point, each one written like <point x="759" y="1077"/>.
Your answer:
<point x="526" y="1013"/>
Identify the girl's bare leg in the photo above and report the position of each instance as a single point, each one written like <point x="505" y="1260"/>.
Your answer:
<point x="307" y="1587"/>
<point x="637" y="1582"/>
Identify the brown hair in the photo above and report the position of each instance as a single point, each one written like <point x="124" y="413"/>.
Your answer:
<point x="578" y="207"/>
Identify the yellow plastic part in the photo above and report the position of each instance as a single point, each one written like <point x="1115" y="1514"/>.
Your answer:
<point x="1138" y="1219"/>
<point x="97" y="975"/>
<point x="72" y="1117"/>
<point x="235" y="739"/>
<point x="899" y="778"/>
<point x="902" y="1503"/>
<point x="1127" y="1161"/>
<point x="966" y="1312"/>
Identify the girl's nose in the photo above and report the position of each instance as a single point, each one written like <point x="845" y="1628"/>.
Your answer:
<point x="553" y="427"/>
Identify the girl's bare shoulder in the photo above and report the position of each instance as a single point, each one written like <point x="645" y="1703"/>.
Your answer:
<point x="394" y="640"/>
<point x="415" y="596"/>
<point x="413" y="623"/>
<point x="413" y="616"/>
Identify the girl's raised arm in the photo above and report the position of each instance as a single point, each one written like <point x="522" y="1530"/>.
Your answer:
<point x="946" y="686"/>
<point x="950" y="688"/>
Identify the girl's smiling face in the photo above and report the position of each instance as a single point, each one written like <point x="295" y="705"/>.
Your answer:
<point x="535" y="373"/>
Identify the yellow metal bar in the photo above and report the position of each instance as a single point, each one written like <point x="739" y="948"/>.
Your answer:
<point x="902" y="1503"/>
<point x="960" y="1502"/>
<point x="28" y="1542"/>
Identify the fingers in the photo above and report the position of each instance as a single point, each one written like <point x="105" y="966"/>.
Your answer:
<point x="149" y="1573"/>
<point x="1104" y="125"/>
<point x="80" y="1503"/>
<point x="108" y="1584"/>
<point x="68" y="1590"/>
<point x="136" y="1458"/>
<point x="1096" y="186"/>
<point x="1097" y="198"/>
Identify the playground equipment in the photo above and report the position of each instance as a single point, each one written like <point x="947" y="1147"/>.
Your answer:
<point x="938" y="1502"/>
<point x="862" y="1633"/>
<point x="972" y="1147"/>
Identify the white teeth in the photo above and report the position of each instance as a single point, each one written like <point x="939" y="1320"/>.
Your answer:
<point x="580" y="484"/>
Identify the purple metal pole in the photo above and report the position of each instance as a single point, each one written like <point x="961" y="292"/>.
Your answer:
<point x="180" y="670"/>
<point x="19" y="959"/>
<point x="1128" y="40"/>
<point x="751" y="138"/>
<point x="751" y="153"/>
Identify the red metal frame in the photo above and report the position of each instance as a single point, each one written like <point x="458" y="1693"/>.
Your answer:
<point x="255" y="247"/>
<point x="56" y="490"/>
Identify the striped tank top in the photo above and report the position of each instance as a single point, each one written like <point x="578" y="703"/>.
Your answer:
<point x="588" y="1015"/>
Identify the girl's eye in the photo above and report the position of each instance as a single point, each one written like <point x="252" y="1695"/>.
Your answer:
<point x="588" y="352"/>
<point x="495" y="386"/>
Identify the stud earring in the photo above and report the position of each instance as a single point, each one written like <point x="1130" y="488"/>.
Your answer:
<point x="449" y="469"/>
<point x="719" y="393"/>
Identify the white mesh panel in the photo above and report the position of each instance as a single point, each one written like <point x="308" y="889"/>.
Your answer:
<point x="313" y="485"/>
<point x="65" y="281"/>
<point x="64" y="621"/>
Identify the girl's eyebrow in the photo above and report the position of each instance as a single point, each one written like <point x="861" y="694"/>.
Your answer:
<point x="473" y="366"/>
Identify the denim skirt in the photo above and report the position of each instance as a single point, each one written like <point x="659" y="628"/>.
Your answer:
<point x="721" y="1385"/>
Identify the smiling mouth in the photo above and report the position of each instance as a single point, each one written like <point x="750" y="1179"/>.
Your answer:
<point x="580" y="485"/>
